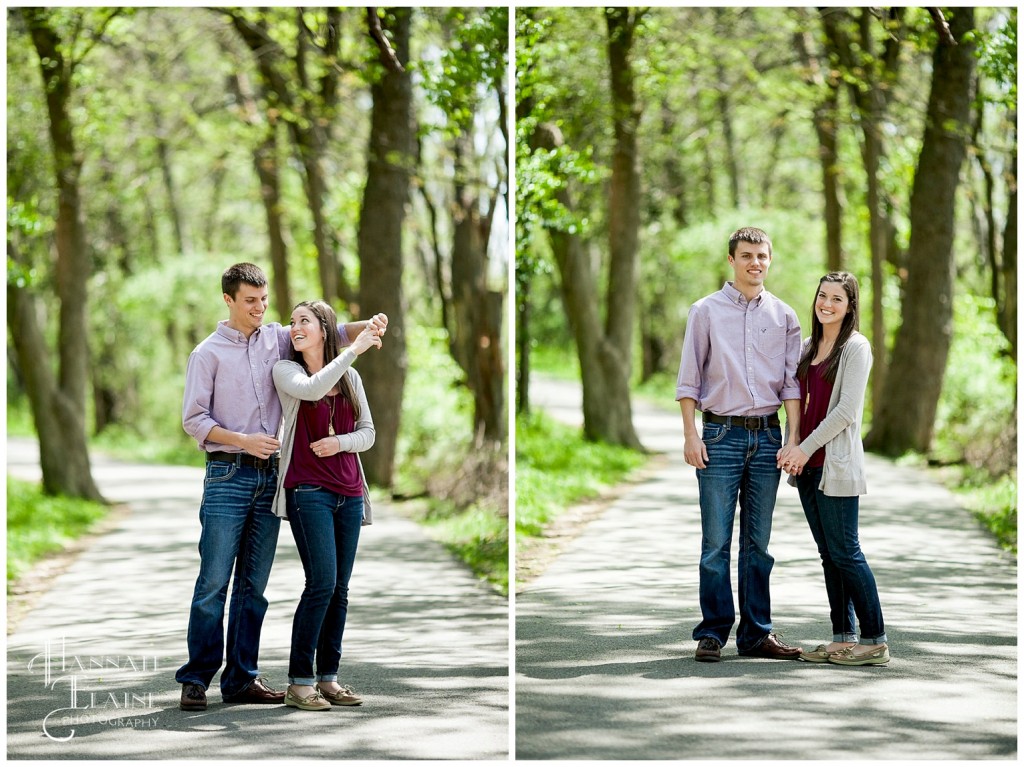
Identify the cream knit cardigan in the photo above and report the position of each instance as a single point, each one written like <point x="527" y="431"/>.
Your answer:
<point x="843" y="473"/>
<point x="293" y="386"/>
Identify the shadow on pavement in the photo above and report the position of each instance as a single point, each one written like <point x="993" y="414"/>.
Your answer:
<point x="426" y="647"/>
<point x="604" y="654"/>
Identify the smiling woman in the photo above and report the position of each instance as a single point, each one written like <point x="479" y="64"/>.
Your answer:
<point x="322" y="491"/>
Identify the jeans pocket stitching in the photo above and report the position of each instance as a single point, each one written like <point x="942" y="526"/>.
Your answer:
<point x="715" y="438"/>
<point x="232" y="470"/>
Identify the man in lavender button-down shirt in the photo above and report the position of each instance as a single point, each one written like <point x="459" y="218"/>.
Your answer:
<point x="738" y="365"/>
<point x="232" y="410"/>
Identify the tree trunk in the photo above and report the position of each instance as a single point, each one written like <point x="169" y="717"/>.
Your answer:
<point x="1008" y="311"/>
<point x="64" y="453"/>
<point x="605" y="356"/>
<point x="725" y="116"/>
<point x="163" y="152"/>
<point x="265" y="161"/>
<point x="606" y="409"/>
<point x="522" y="299"/>
<point x="675" y="178"/>
<point x="905" y="415"/>
<point x="825" y="127"/>
<point x="877" y="75"/>
<point x="308" y="126"/>
<point x="331" y="284"/>
<point x="389" y="165"/>
<point x="474" y="322"/>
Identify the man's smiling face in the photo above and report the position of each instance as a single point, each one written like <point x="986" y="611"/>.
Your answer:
<point x="750" y="264"/>
<point x="247" y="307"/>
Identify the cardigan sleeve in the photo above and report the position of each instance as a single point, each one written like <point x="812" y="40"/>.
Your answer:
<point x="362" y="437"/>
<point x="291" y="379"/>
<point x="852" y="382"/>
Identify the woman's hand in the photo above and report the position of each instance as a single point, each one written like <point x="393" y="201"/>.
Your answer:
<point x="791" y="459"/>
<point x="325" y="447"/>
<point x="369" y="336"/>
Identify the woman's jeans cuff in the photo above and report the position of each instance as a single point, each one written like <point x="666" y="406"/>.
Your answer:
<point x="303" y="680"/>
<point x="844" y="638"/>
<point x="327" y="678"/>
<point x="881" y="639"/>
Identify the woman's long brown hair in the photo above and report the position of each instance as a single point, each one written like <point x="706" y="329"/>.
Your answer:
<point x="329" y="325"/>
<point x="851" y="323"/>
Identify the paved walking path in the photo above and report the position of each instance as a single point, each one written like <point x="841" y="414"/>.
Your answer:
<point x="604" y="658"/>
<point x="426" y="645"/>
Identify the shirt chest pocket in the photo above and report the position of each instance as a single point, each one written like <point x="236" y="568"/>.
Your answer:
<point x="771" y="342"/>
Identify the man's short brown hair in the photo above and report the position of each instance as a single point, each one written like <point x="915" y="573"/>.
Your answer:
<point x="749" y="234"/>
<point x="234" y="276"/>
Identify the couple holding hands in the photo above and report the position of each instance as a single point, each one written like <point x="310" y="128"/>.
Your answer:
<point x="742" y="358"/>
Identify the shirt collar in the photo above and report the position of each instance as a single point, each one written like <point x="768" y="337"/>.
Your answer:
<point x="738" y="298"/>
<point x="235" y="336"/>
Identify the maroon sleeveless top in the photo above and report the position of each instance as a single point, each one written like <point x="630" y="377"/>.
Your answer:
<point x="815" y="393"/>
<point x="338" y="473"/>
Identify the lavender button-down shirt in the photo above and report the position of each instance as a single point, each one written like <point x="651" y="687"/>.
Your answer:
<point x="229" y="383"/>
<point x="739" y="357"/>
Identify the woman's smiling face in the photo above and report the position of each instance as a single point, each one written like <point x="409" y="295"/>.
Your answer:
<point x="306" y="331"/>
<point x="831" y="304"/>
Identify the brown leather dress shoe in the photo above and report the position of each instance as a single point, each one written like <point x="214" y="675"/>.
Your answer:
<point x="257" y="692"/>
<point x="708" y="650"/>
<point x="773" y="647"/>
<point x="193" y="697"/>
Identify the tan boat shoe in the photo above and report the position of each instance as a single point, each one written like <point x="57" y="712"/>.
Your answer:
<point x="818" y="655"/>
<point x="346" y="696"/>
<point x="312" y="702"/>
<point x="848" y="657"/>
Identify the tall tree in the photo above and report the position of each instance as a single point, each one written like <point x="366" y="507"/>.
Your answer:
<point x="605" y="353"/>
<point x="905" y="415"/>
<point x="825" y="83"/>
<point x="307" y="103"/>
<point x="390" y="158"/>
<point x="267" y="166"/>
<point x="870" y="75"/>
<point x="63" y="451"/>
<point x="472" y="309"/>
<point x="615" y="423"/>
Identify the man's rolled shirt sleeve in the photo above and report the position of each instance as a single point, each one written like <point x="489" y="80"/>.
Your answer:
<point x="696" y="343"/>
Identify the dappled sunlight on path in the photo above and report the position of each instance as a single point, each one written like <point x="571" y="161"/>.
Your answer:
<point x="604" y="658"/>
<point x="426" y="645"/>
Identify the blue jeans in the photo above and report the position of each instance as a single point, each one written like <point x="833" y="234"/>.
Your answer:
<point x="849" y="582"/>
<point x="740" y="465"/>
<point x="326" y="528"/>
<point x="239" y="533"/>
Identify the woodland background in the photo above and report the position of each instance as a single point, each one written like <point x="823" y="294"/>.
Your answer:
<point x="356" y="154"/>
<point x="363" y="155"/>
<point x="881" y="141"/>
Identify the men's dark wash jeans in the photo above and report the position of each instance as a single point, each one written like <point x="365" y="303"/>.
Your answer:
<point x="239" y="533"/>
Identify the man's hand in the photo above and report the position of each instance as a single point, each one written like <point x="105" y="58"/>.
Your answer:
<point x="792" y="459"/>
<point x="260" y="445"/>
<point x="695" y="452"/>
<point x="380" y="322"/>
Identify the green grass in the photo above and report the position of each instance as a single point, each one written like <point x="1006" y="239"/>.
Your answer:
<point x="476" y="535"/>
<point x="38" y="525"/>
<point x="993" y="502"/>
<point x="556" y="468"/>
